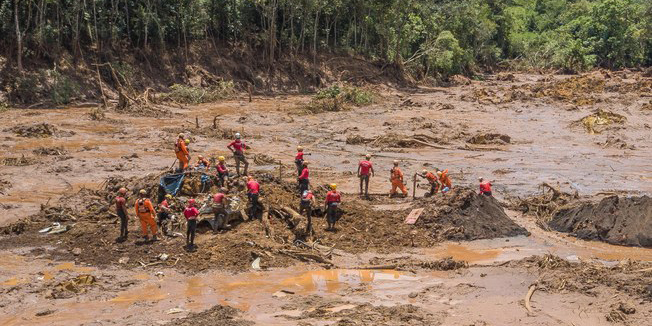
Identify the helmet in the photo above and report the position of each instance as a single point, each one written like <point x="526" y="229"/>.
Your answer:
<point x="395" y="162"/>
<point x="480" y="178"/>
<point x="299" y="148"/>
<point x="191" y="202"/>
<point x="181" y="136"/>
<point x="142" y="192"/>
<point x="425" y="171"/>
<point x="250" y="178"/>
<point x="168" y="196"/>
<point x="306" y="192"/>
<point x="306" y="163"/>
<point x="200" y="157"/>
<point x="122" y="191"/>
<point x="237" y="135"/>
<point x="368" y="156"/>
<point x="221" y="158"/>
<point x="439" y="173"/>
<point x="333" y="186"/>
<point x="187" y="141"/>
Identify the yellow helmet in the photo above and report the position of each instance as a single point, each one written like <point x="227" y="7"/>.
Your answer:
<point x="187" y="141"/>
<point x="142" y="192"/>
<point x="333" y="186"/>
<point x="221" y="158"/>
<point x="299" y="148"/>
<point x="168" y="196"/>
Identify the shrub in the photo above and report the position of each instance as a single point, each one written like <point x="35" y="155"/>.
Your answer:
<point x="195" y="95"/>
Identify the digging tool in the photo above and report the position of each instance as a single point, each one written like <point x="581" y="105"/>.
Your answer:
<point x="173" y="163"/>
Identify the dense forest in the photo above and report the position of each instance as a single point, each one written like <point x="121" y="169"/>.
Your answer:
<point x="436" y="38"/>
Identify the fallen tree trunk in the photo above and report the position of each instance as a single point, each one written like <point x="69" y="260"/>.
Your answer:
<point x="298" y="223"/>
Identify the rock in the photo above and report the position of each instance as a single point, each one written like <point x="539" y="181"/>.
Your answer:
<point x="626" y="308"/>
<point x="45" y="312"/>
<point x="413" y="295"/>
<point x="77" y="251"/>
<point x="123" y="260"/>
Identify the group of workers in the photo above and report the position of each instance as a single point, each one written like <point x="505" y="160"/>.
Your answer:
<point x="439" y="182"/>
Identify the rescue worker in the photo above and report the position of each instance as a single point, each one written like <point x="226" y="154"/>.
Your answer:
<point x="298" y="160"/>
<point x="304" y="178"/>
<point x="333" y="200"/>
<point x="445" y="181"/>
<point x="191" y="213"/>
<point x="238" y="148"/>
<point x="305" y="207"/>
<point x="181" y="150"/>
<point x="121" y="211"/>
<point x="202" y="163"/>
<point x="219" y="209"/>
<point x="396" y="177"/>
<point x="432" y="179"/>
<point x="485" y="187"/>
<point x="145" y="212"/>
<point x="365" y="170"/>
<point x="253" y="193"/>
<point x="164" y="214"/>
<point x="222" y="171"/>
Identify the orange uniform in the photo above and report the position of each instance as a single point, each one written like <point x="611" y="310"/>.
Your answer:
<point x="182" y="152"/>
<point x="397" y="181"/>
<point x="145" y="212"/>
<point x="204" y="162"/>
<point x="445" y="179"/>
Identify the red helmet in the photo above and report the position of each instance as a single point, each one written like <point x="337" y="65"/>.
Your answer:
<point x="191" y="202"/>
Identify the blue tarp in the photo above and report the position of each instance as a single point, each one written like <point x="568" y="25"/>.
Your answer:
<point x="172" y="183"/>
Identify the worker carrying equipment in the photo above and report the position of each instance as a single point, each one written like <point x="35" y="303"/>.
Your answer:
<point x="237" y="147"/>
<point x="145" y="212"/>
<point x="222" y="172"/>
<point x="121" y="211"/>
<point x="181" y="150"/>
<point x="191" y="213"/>
<point x="432" y="180"/>
<point x="485" y="187"/>
<point x="396" y="177"/>
<point x="304" y="178"/>
<point x="333" y="200"/>
<point x="365" y="170"/>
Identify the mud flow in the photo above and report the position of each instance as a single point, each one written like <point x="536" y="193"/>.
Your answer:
<point x="564" y="238"/>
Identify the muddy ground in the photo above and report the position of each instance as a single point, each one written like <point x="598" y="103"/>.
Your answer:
<point x="588" y="133"/>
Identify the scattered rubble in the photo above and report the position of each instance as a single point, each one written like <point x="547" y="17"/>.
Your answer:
<point x="40" y="130"/>
<point x="599" y="121"/>
<point x="59" y="150"/>
<point x="490" y="138"/>
<point x="217" y="315"/>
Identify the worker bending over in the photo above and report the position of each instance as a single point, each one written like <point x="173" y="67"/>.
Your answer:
<point x="191" y="213"/>
<point x="222" y="172"/>
<point x="304" y="178"/>
<point x="396" y="177"/>
<point x="145" y="212"/>
<point x="181" y="150"/>
<point x="121" y="211"/>
<point x="202" y="163"/>
<point x="253" y="193"/>
<point x="445" y="181"/>
<point x="238" y="148"/>
<point x="432" y="180"/>
<point x="164" y="214"/>
<point x="305" y="207"/>
<point x="365" y="170"/>
<point x="333" y="200"/>
<point x="485" y="187"/>
<point x="219" y="209"/>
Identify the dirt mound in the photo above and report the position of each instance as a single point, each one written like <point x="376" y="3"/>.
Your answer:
<point x="489" y="138"/>
<point x="464" y="215"/>
<point x="574" y="90"/>
<point x="59" y="150"/>
<point x="18" y="161"/>
<point x="616" y="220"/>
<point x="600" y="120"/>
<point x="39" y="130"/>
<point x="217" y="315"/>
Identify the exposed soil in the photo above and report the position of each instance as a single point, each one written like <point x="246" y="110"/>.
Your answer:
<point x="616" y="220"/>
<point x="218" y="315"/>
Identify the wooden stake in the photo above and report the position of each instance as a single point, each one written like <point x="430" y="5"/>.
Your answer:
<point x="414" y="186"/>
<point x="197" y="122"/>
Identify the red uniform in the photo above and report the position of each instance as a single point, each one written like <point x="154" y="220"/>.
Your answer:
<point x="365" y="167"/>
<point x="238" y="146"/>
<point x="191" y="213"/>
<point x="299" y="156"/>
<point x="485" y="188"/>
<point x="165" y="205"/>
<point x="253" y="187"/>
<point x="305" y="174"/>
<point x="218" y="198"/>
<point x="333" y="197"/>
<point x="221" y="168"/>
<point x="120" y="204"/>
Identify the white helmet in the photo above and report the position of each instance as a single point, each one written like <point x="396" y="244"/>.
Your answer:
<point x="237" y="135"/>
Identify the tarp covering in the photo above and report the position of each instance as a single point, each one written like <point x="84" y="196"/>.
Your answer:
<point x="172" y="183"/>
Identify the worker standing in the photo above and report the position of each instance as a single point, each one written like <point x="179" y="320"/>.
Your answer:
<point x="432" y="180"/>
<point x="145" y="212"/>
<point x="304" y="178"/>
<point x="238" y="148"/>
<point x="298" y="160"/>
<point x="181" y="150"/>
<point x="396" y="177"/>
<point x="219" y="209"/>
<point x="333" y="200"/>
<point x="485" y="187"/>
<point x="164" y="214"/>
<point x="445" y="181"/>
<point x="191" y="212"/>
<point x="365" y="170"/>
<point x="222" y="171"/>
<point x="202" y="163"/>
<point x="253" y="192"/>
<point x="121" y="211"/>
<point x="305" y="207"/>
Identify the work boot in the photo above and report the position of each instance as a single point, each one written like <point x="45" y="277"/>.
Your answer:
<point x="154" y="238"/>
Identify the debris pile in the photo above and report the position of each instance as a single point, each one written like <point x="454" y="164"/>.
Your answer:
<point x="39" y="130"/>
<point x="217" y="315"/>
<point x="544" y="206"/>
<point x="464" y="215"/>
<point x="490" y="138"/>
<point x="18" y="161"/>
<point x="599" y="121"/>
<point x="616" y="220"/>
<point x="575" y="90"/>
<point x="396" y="141"/>
<point x="69" y="288"/>
<point x="59" y="150"/>
<point x="410" y="264"/>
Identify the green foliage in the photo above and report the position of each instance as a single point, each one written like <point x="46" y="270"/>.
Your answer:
<point x="195" y="95"/>
<point x="346" y="94"/>
<point x="63" y="89"/>
<point x="447" y="57"/>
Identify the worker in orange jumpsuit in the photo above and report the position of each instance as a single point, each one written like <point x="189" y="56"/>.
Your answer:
<point x="432" y="180"/>
<point x="202" y="163"/>
<point x="145" y="212"/>
<point x="445" y="181"/>
<point x="396" y="177"/>
<point x="181" y="150"/>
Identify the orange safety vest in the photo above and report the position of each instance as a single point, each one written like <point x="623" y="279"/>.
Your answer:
<point x="142" y="208"/>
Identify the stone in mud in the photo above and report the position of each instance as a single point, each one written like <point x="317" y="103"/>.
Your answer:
<point x="616" y="220"/>
<point x="489" y="138"/>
